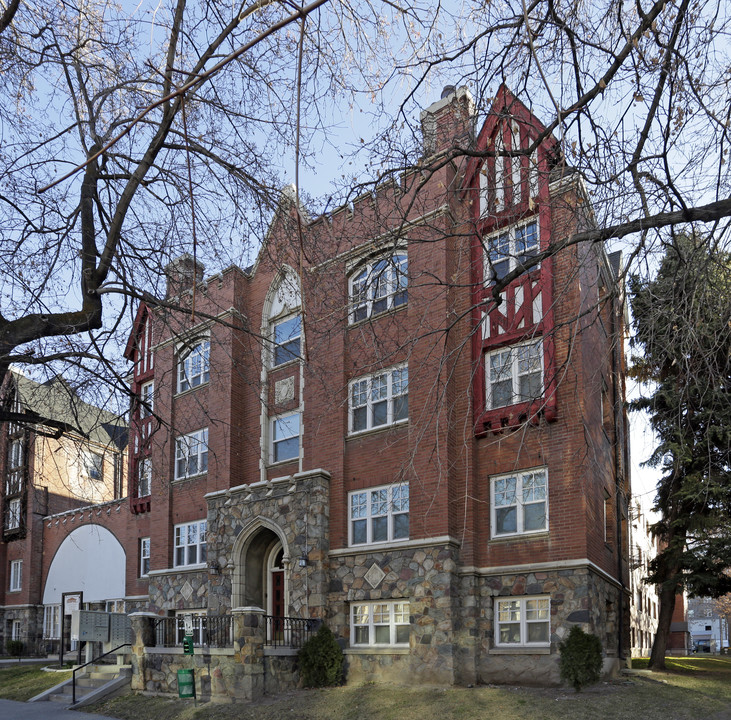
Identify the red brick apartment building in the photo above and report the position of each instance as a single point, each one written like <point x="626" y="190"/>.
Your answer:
<point x="358" y="430"/>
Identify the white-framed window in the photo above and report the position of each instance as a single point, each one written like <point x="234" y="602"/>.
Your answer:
<point x="144" y="477"/>
<point x="14" y="476"/>
<point x="379" y="400"/>
<point x="16" y="630"/>
<point x="194" y="365"/>
<point x="147" y="399"/>
<point x="378" y="286"/>
<point x="285" y="438"/>
<point x="510" y="248"/>
<point x="144" y="556"/>
<point x="93" y="464"/>
<point x="379" y="515"/>
<point x="514" y="374"/>
<point x="51" y="622"/>
<point x="524" y="621"/>
<point x="191" y="454"/>
<point x="519" y="503"/>
<point x="115" y="606"/>
<point x="16" y="575"/>
<point x="380" y="624"/>
<point x="286" y="337"/>
<point x="190" y="543"/>
<point x="12" y="519"/>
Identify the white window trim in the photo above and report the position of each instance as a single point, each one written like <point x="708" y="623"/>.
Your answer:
<point x="523" y="621"/>
<point x="369" y="607"/>
<point x="182" y="453"/>
<point x="51" y="622"/>
<point x="144" y="476"/>
<point x="273" y="440"/>
<point x="395" y="279"/>
<point x="200" y="346"/>
<point x="388" y="399"/>
<point x="200" y="545"/>
<point x="275" y="345"/>
<point x="15" y="512"/>
<point x="16" y="575"/>
<point x="147" y="398"/>
<point x="515" y="374"/>
<point x="519" y="504"/>
<point x="369" y="516"/>
<point x="513" y="257"/>
<point x="145" y="546"/>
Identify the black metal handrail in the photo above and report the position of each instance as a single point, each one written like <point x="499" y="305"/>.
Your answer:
<point x="91" y="662"/>
<point x="289" y="631"/>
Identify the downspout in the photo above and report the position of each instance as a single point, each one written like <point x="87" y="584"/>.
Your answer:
<point x="618" y="417"/>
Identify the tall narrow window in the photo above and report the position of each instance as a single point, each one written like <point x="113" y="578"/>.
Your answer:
<point x="13" y="513"/>
<point x="144" y="556"/>
<point x="147" y="397"/>
<point x="144" y="477"/>
<point x="16" y="575"/>
<point x="287" y="336"/>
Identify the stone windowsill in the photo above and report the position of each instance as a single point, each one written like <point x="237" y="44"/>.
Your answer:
<point x="520" y="651"/>
<point x="177" y="570"/>
<point x="377" y="651"/>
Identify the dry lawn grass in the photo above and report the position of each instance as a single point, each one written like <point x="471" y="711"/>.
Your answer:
<point x="693" y="689"/>
<point x="22" y="682"/>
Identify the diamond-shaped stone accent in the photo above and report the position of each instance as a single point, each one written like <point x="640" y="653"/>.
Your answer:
<point x="187" y="590"/>
<point x="374" y="575"/>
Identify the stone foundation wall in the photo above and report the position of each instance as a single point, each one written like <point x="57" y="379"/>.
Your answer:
<point x="426" y="577"/>
<point x="281" y="673"/>
<point x="217" y="673"/>
<point x="578" y="597"/>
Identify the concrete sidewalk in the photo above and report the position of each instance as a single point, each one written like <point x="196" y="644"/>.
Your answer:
<point x="11" y="710"/>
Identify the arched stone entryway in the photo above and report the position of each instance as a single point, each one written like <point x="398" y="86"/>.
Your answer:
<point x="261" y="563"/>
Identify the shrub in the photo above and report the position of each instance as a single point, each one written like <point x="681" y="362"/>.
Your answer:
<point x="321" y="659"/>
<point x="581" y="658"/>
<point x="14" y="647"/>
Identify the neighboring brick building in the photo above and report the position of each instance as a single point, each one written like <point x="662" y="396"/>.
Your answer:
<point x="352" y="430"/>
<point x="69" y="456"/>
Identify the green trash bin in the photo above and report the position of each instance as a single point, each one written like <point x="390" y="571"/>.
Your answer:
<point x="186" y="684"/>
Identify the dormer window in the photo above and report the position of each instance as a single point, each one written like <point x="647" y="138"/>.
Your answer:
<point x="378" y="286"/>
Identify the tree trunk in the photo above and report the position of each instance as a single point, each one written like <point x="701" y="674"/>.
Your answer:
<point x="667" y="595"/>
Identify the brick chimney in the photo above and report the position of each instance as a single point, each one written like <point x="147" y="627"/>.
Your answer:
<point x="449" y="122"/>
<point x="182" y="274"/>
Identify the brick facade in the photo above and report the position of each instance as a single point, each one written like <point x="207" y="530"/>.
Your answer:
<point x="361" y="455"/>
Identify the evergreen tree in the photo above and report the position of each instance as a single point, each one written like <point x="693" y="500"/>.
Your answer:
<point x="682" y="322"/>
